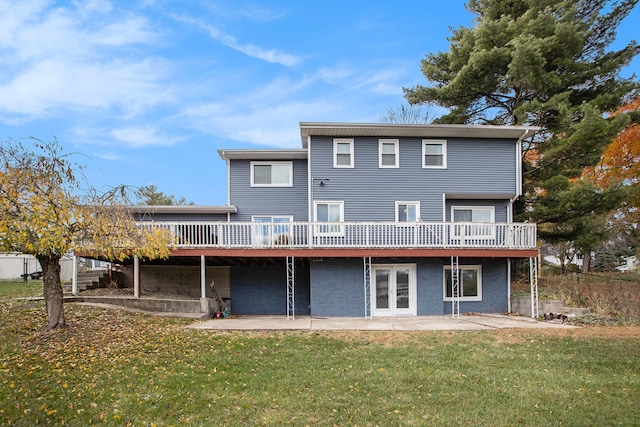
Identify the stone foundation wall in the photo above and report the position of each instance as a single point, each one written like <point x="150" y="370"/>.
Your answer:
<point x="146" y="304"/>
<point x="522" y="305"/>
<point x="179" y="280"/>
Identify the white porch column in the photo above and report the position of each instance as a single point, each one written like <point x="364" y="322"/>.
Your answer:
<point x="74" y="275"/>
<point x="203" y="278"/>
<point x="136" y="277"/>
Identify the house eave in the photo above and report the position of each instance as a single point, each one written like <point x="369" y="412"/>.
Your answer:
<point x="480" y="196"/>
<point x="272" y="154"/>
<point x="335" y="129"/>
<point x="182" y="209"/>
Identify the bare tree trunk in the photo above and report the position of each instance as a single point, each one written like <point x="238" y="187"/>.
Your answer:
<point x="586" y="262"/>
<point x="52" y="290"/>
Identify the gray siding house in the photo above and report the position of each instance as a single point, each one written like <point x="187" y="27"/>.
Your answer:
<point x="363" y="220"/>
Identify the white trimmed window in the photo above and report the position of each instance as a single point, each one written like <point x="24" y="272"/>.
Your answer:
<point x="272" y="174"/>
<point x="469" y="283"/>
<point x="388" y="153"/>
<point x="434" y="154"/>
<point x="342" y="153"/>
<point x="485" y="215"/>
<point x="332" y="213"/>
<point x="407" y="211"/>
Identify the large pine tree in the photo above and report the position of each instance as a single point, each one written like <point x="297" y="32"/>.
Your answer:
<point x="545" y="63"/>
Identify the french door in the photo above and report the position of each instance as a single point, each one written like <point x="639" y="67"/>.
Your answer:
<point x="393" y="290"/>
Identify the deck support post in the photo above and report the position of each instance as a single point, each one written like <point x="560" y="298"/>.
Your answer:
<point x="533" y="281"/>
<point x="136" y="277"/>
<point x="366" y="261"/>
<point x="203" y="277"/>
<point x="455" y="288"/>
<point x="74" y="275"/>
<point x="291" y="288"/>
<point x="508" y="285"/>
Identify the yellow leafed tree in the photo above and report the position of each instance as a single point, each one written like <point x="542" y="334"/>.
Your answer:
<point x="44" y="211"/>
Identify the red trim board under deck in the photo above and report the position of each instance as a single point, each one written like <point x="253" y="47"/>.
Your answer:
<point x="357" y="253"/>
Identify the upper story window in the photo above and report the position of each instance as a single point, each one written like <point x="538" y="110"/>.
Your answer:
<point x="472" y="214"/>
<point x="434" y="154"/>
<point x="332" y="213"/>
<point x="485" y="215"/>
<point x="388" y="153"/>
<point x="407" y="211"/>
<point x="343" y="153"/>
<point x="272" y="174"/>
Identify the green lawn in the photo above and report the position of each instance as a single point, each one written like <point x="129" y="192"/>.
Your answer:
<point x="20" y="288"/>
<point x="111" y="367"/>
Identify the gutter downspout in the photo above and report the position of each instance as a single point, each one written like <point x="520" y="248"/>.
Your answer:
<point x="228" y="162"/>
<point x="309" y="191"/>
<point x="519" y="179"/>
<point x="309" y="181"/>
<point x="518" y="193"/>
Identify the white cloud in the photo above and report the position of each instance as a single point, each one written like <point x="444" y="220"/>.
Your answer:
<point x="137" y="137"/>
<point x="378" y="80"/>
<point x="334" y="75"/>
<point x="110" y="155"/>
<point x="102" y="6"/>
<point x="269" y="55"/>
<point x="279" y="90"/>
<point x="231" y="10"/>
<point x="55" y="59"/>
<point x="111" y="141"/>
<point x="269" y="114"/>
<point x="385" y="81"/>
<point x="269" y="124"/>
<point x="46" y="87"/>
<point x="132" y="30"/>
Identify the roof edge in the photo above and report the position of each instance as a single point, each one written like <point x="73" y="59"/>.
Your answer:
<point x="338" y="129"/>
<point x="262" y="154"/>
<point x="181" y="209"/>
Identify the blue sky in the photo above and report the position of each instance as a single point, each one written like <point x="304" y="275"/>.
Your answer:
<point x="148" y="90"/>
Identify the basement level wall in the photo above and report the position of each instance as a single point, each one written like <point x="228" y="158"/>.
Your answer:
<point x="263" y="290"/>
<point x="178" y="280"/>
<point x="337" y="286"/>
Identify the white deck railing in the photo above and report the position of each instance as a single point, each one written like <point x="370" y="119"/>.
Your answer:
<point x="383" y="235"/>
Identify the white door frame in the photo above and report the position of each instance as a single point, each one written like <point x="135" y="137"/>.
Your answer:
<point x="392" y="310"/>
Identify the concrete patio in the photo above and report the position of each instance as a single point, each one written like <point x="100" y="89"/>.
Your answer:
<point x="475" y="322"/>
<point x="421" y="323"/>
